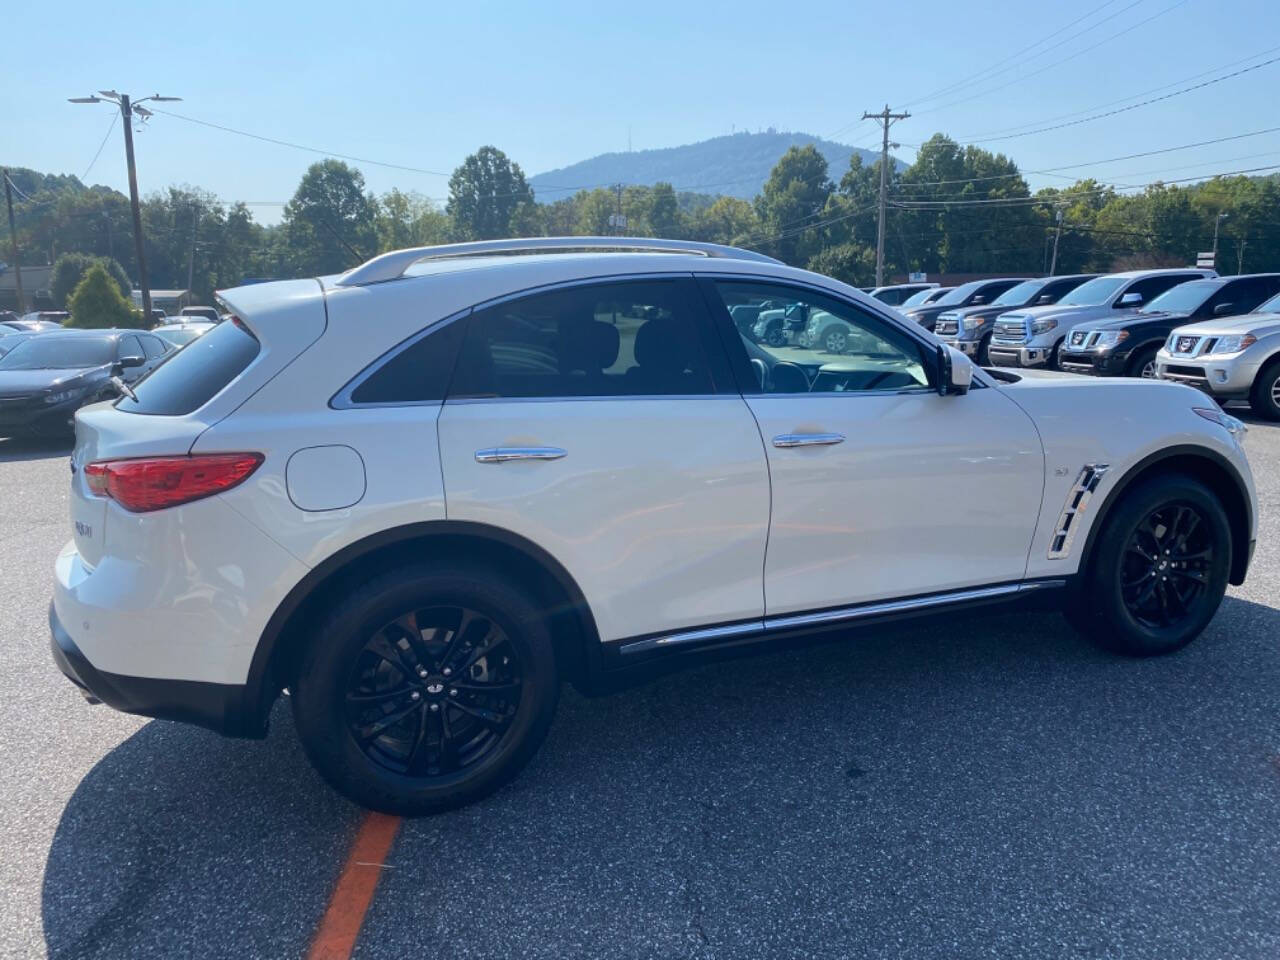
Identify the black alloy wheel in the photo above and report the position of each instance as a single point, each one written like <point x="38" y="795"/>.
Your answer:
<point x="434" y="691"/>
<point x="1167" y="565"/>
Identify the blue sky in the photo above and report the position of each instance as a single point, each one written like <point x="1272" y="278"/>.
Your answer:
<point x="550" y="83"/>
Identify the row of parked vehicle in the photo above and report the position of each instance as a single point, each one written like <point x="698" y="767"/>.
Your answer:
<point x="48" y="372"/>
<point x="1220" y="334"/>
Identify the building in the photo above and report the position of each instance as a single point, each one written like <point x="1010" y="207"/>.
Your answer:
<point x="170" y="301"/>
<point x="35" y="287"/>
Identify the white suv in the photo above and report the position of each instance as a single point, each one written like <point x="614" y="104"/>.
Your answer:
<point x="421" y="494"/>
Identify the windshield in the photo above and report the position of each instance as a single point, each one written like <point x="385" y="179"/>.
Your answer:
<point x="1184" y="298"/>
<point x="1094" y="293"/>
<point x="960" y="294"/>
<point x="919" y="297"/>
<point x="1019" y="293"/>
<point x="178" y="337"/>
<point x="58" y="352"/>
<point x="1268" y="306"/>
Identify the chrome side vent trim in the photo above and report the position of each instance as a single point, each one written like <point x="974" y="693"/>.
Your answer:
<point x="1078" y="498"/>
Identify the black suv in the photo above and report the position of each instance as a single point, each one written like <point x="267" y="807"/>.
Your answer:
<point x="1127" y="346"/>
<point x="975" y="293"/>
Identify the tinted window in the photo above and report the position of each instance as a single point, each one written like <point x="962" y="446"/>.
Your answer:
<point x="1244" y="295"/>
<point x="826" y="345"/>
<point x="923" y="296"/>
<point x="1152" y="287"/>
<point x="52" y="352"/>
<point x="192" y="376"/>
<point x="418" y="372"/>
<point x="1184" y="298"/>
<point x="1094" y="293"/>
<point x="153" y="347"/>
<point x="130" y="347"/>
<point x="637" y="338"/>
<point x="1019" y="293"/>
<point x="960" y="294"/>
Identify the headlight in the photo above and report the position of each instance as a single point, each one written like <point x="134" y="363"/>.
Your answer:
<point x="972" y="323"/>
<point x="1235" y="427"/>
<point x="1109" y="338"/>
<point x="1232" y="344"/>
<point x="62" y="396"/>
<point x="1043" y="326"/>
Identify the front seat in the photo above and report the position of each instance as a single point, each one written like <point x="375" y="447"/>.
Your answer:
<point x="586" y="347"/>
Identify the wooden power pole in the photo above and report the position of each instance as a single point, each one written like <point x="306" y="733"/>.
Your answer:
<point x="886" y="118"/>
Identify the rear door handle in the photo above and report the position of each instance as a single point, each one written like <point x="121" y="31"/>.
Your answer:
<point x="807" y="439"/>
<point x="503" y="454"/>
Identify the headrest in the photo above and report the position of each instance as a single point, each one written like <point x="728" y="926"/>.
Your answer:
<point x="663" y="344"/>
<point x="587" y="345"/>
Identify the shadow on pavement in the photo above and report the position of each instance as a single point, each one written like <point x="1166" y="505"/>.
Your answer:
<point x="182" y="843"/>
<point x="988" y="786"/>
<point x="16" y="449"/>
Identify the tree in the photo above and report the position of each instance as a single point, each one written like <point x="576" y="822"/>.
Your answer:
<point x="792" y="199"/>
<point x="664" y="212"/>
<point x="70" y="268"/>
<point x="485" y="193"/>
<point x="330" y="224"/>
<point x="409" y="220"/>
<point x="854" y="263"/>
<point x="728" y="220"/>
<point x="97" y="302"/>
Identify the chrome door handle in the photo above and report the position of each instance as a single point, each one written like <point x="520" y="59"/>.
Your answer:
<point x="807" y="439"/>
<point x="503" y="454"/>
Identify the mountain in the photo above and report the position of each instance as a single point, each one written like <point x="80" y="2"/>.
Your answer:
<point x="736" y="165"/>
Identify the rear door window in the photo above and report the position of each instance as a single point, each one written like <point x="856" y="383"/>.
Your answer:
<point x="195" y="374"/>
<point x="153" y="346"/>
<point x="129" y="347"/>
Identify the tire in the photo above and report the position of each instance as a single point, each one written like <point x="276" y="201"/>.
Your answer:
<point x="1143" y="364"/>
<point x="367" y="691"/>
<point x="835" y="340"/>
<point x="1122" y="606"/>
<point x="983" y="356"/>
<point x="1264" y="398"/>
<point x="775" y="338"/>
<point x="1052" y="362"/>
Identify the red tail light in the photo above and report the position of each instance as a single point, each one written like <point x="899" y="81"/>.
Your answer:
<point x="153" y="483"/>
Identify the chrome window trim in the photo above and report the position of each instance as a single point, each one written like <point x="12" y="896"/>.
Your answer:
<point x="459" y="401"/>
<point x="862" y="611"/>
<point x="342" y="399"/>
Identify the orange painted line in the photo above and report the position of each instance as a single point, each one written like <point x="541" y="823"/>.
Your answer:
<point x="336" y="936"/>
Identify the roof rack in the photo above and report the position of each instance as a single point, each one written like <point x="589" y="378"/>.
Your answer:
<point x="392" y="266"/>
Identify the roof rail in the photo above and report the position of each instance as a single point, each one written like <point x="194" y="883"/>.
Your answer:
<point x="392" y="266"/>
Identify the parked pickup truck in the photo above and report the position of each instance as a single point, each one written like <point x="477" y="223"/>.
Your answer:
<point x="969" y="329"/>
<point x="1127" y="347"/>
<point x="1032" y="337"/>
<point x="1232" y="358"/>
<point x="975" y="293"/>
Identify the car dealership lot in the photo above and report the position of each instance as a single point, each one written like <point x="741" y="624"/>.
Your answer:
<point x="988" y="786"/>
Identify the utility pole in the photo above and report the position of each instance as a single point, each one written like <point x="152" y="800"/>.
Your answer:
<point x="1053" y="264"/>
<point x="128" y="108"/>
<point x="886" y="118"/>
<point x="191" y="264"/>
<point x="13" y="243"/>
<point x="1217" y="221"/>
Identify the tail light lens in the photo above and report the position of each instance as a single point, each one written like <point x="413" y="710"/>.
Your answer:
<point x="153" y="483"/>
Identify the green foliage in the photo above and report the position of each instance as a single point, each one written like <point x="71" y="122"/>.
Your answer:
<point x="793" y="197"/>
<point x="97" y="303"/>
<point x="69" y="269"/>
<point x="854" y="263"/>
<point x="409" y="220"/>
<point x="330" y="224"/>
<point x="485" y="194"/>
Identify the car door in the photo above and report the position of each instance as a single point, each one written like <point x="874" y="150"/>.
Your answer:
<point x="600" y="422"/>
<point x="881" y="487"/>
<point x="131" y="346"/>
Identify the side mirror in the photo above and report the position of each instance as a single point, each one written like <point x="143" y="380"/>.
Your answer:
<point x="1132" y="299"/>
<point x="125" y="363"/>
<point x="1044" y="298"/>
<point x="977" y="300"/>
<point x="1224" y="309"/>
<point x="955" y="371"/>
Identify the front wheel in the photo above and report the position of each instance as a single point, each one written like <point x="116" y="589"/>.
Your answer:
<point x="1264" y="398"/>
<point x="1160" y="570"/>
<point x="983" y="355"/>
<point x="1143" y="364"/>
<point x="425" y="689"/>
<point x="835" y="341"/>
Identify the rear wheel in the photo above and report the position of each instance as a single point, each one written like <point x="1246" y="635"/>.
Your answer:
<point x="1160" y="570"/>
<point x="835" y="340"/>
<point x="1264" y="398"/>
<point x="426" y="689"/>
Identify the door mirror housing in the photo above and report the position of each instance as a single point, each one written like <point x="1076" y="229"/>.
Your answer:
<point x="1224" y="309"/>
<point x="125" y="363"/>
<point x="955" y="371"/>
<point x="1131" y="299"/>
<point x="1044" y="298"/>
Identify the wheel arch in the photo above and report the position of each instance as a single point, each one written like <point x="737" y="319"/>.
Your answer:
<point x="281" y="643"/>
<point x="1205" y="465"/>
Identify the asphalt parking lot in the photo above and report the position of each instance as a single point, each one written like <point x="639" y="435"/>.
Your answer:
<point x="992" y="787"/>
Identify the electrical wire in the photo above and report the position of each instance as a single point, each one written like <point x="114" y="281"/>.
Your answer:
<point x="115" y="115"/>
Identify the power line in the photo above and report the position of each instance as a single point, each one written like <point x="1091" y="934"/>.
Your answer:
<point x="105" y="137"/>
<point x="995" y="68"/>
<point x="1058" y="63"/>
<point x="1135" y="106"/>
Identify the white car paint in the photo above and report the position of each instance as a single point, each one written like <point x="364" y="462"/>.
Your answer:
<point x="669" y="513"/>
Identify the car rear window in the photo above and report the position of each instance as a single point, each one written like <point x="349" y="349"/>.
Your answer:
<point x="192" y="376"/>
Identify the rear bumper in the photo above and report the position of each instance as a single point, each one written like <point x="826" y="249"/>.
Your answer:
<point x="223" y="708"/>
